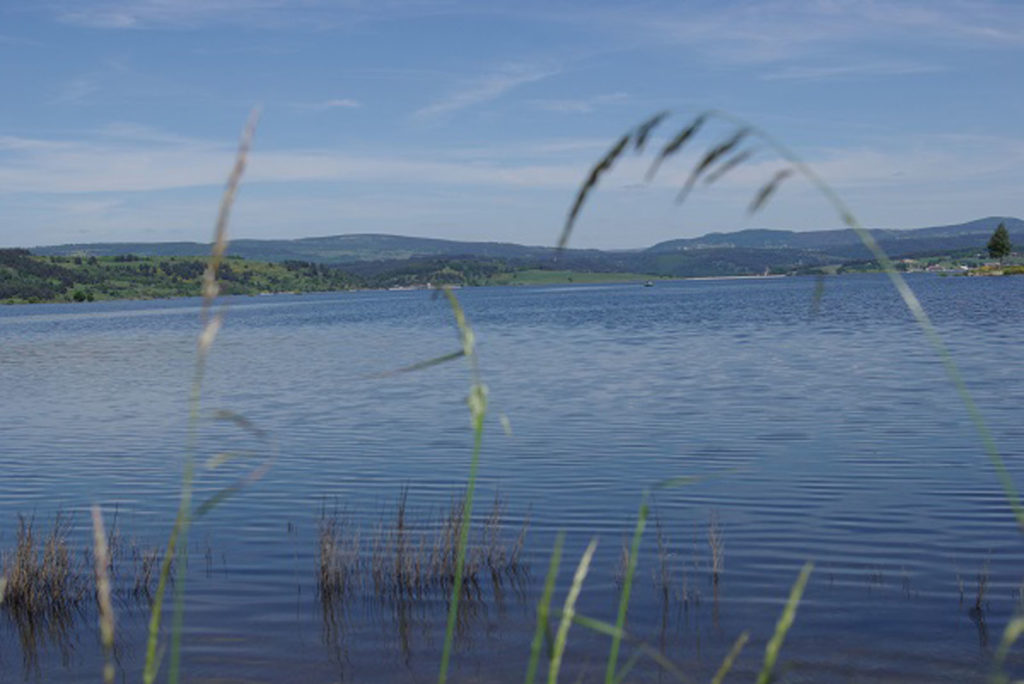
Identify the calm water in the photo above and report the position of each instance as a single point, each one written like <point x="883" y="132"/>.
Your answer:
<point x="826" y="433"/>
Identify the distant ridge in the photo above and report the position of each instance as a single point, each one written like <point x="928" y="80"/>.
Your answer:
<point x="333" y="249"/>
<point x="846" y="244"/>
<point x="741" y="252"/>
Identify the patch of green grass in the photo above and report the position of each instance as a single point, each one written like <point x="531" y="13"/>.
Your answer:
<point x="536" y="276"/>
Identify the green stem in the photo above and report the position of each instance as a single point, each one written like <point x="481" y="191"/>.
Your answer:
<point x="627" y="586"/>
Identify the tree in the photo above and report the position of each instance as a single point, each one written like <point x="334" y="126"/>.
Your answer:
<point x="999" y="244"/>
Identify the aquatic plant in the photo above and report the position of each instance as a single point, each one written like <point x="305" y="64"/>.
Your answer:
<point x="40" y="577"/>
<point x="415" y="561"/>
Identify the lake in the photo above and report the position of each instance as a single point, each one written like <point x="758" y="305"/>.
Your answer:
<point x="817" y="422"/>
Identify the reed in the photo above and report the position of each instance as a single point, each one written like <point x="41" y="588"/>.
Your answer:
<point x="408" y="561"/>
<point x="41" y="578"/>
<point x="982" y="589"/>
<point x="716" y="543"/>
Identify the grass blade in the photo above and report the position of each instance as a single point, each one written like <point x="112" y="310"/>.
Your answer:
<point x="176" y="542"/>
<point x="708" y="159"/>
<point x="728" y="165"/>
<point x="675" y="144"/>
<point x="601" y="167"/>
<point x="420" y="365"/>
<point x="245" y="480"/>
<point x="771" y="650"/>
<point x="730" y="658"/>
<point x="568" y="611"/>
<point x="101" y="555"/>
<point x="627" y="586"/>
<point x="1013" y="631"/>
<point x="643" y="131"/>
<point x="628" y="667"/>
<point x="767" y="190"/>
<point x="478" y="410"/>
<point x="240" y="421"/>
<point x="544" y="609"/>
<point x="608" y="629"/>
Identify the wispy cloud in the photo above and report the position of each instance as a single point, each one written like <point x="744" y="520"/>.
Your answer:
<point x="135" y="14"/>
<point x="127" y="159"/>
<point x="77" y="90"/>
<point x="485" y="89"/>
<point x="313" y="14"/>
<point x="19" y="41"/>
<point x="137" y="160"/>
<point x="777" y="31"/>
<point x="580" y="105"/>
<point x="336" y="103"/>
<point x="852" y="70"/>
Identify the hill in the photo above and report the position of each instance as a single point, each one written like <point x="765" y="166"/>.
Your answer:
<point x="28" y="278"/>
<point x="846" y="245"/>
<point x="745" y="252"/>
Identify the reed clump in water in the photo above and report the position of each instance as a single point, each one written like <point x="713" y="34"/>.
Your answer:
<point x="44" y="577"/>
<point x="41" y="579"/>
<point x="402" y="560"/>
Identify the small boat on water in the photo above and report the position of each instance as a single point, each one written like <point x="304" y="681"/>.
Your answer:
<point x="649" y="283"/>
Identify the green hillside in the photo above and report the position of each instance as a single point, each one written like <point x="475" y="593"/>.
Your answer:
<point x="28" y="278"/>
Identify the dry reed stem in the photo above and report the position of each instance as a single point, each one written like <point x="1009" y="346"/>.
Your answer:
<point x="101" y="553"/>
<point x="406" y="562"/>
<point x="717" y="544"/>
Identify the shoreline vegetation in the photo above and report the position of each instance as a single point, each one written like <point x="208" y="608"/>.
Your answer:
<point x="26" y="278"/>
<point x="29" y="279"/>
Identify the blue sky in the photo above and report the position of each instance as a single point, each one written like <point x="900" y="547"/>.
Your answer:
<point x="477" y="120"/>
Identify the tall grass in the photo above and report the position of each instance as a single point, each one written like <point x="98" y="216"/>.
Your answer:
<point x="401" y="566"/>
<point x="211" y="322"/>
<point x="477" y="402"/>
<point x="716" y="161"/>
<point x="706" y="168"/>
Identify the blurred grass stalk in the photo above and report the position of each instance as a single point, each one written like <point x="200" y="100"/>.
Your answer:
<point x="716" y="162"/>
<point x="478" y="410"/>
<point x="211" y="322"/>
<point x="637" y="137"/>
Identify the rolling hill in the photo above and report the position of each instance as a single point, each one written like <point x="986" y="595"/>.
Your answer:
<point x="738" y="253"/>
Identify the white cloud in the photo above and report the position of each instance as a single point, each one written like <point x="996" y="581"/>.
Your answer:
<point x="486" y="88"/>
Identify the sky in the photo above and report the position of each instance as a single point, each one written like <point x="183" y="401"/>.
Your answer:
<point x="479" y="119"/>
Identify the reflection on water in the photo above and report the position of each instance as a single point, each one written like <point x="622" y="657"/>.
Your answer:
<point x="814" y="420"/>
